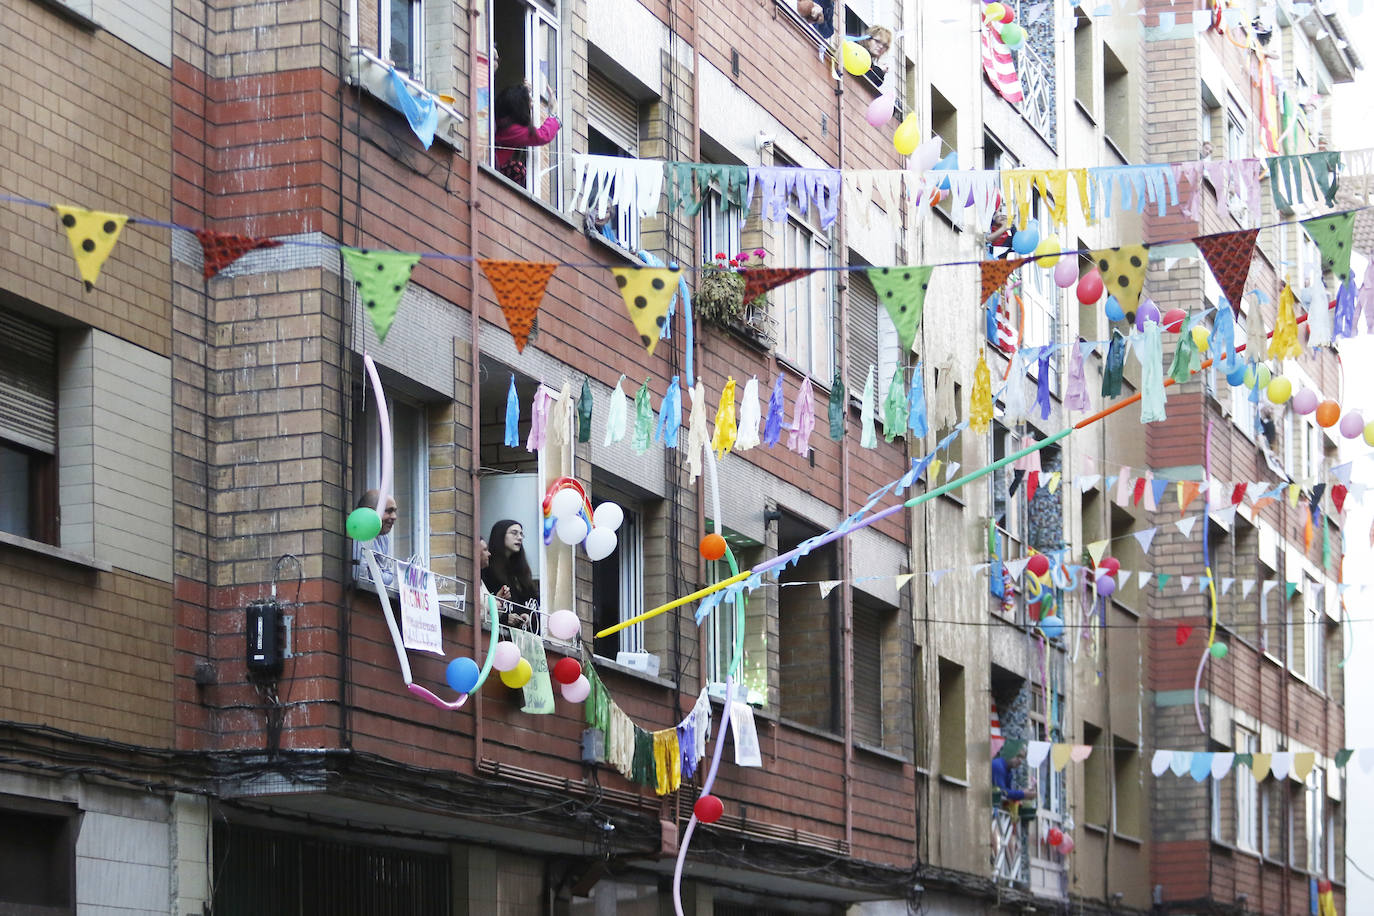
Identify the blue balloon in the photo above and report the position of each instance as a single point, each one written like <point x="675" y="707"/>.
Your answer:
<point x="1025" y="240"/>
<point x="1052" y="626"/>
<point x="461" y="674"/>
<point x="948" y="164"/>
<point x="1114" y="310"/>
<point x="1236" y="376"/>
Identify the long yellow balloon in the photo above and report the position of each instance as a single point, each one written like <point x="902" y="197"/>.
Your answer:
<point x="698" y="594"/>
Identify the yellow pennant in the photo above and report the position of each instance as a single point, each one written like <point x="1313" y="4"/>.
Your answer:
<point x="1302" y="765"/>
<point x="1060" y="754"/>
<point x="647" y="292"/>
<point x="92" y="234"/>
<point x="1260" y="766"/>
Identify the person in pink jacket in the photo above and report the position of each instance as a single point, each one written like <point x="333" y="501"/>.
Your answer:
<point x="515" y="129"/>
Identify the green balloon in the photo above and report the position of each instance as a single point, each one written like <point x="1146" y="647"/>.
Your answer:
<point x="1219" y="650"/>
<point x="363" y="524"/>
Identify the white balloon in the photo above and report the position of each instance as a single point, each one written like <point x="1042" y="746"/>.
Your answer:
<point x="600" y="543"/>
<point x="578" y="690"/>
<point x="564" y="625"/>
<point x="608" y="515"/>
<point x="506" y="656"/>
<point x="565" y="502"/>
<point x="927" y="154"/>
<point x="571" y="529"/>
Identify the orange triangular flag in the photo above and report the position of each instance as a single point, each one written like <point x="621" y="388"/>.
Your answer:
<point x="995" y="273"/>
<point x="519" y="287"/>
<point x="1260" y="504"/>
<point x="759" y="280"/>
<point x="222" y="248"/>
<point x="1307" y="532"/>
<point x="1187" y="492"/>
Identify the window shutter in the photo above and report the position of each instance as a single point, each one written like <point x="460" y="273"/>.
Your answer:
<point x="612" y="112"/>
<point x="28" y="383"/>
<point x="868" y="685"/>
<point x="863" y="333"/>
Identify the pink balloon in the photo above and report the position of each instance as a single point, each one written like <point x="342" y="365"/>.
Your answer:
<point x="880" y="110"/>
<point x="1066" y="845"/>
<point x="1066" y="273"/>
<point x="1352" y="425"/>
<point x="1304" y="402"/>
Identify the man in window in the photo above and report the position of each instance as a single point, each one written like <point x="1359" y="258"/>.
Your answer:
<point x="1001" y="778"/>
<point x="381" y="544"/>
<point x="818" y="13"/>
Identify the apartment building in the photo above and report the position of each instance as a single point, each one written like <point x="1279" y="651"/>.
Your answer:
<point x="188" y="442"/>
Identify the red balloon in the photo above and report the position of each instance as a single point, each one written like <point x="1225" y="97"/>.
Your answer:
<point x="1111" y="564"/>
<point x="1008" y="14"/>
<point x="1173" y="320"/>
<point x="567" y="670"/>
<point x="708" y="809"/>
<point x="1055" y="836"/>
<point x="712" y="546"/>
<point x="1328" y="413"/>
<point x="1038" y="565"/>
<point x="1090" y="287"/>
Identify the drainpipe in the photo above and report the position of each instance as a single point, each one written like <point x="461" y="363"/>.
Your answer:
<point x="846" y="587"/>
<point x="475" y="392"/>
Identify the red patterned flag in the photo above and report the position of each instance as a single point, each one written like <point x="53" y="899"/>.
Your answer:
<point x="223" y="248"/>
<point x="994" y="275"/>
<point x="759" y="280"/>
<point x="1229" y="255"/>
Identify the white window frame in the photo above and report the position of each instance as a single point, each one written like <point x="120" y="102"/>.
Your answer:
<point x="1247" y="795"/>
<point x="721" y="223"/>
<point x="1237" y="131"/>
<point x="386" y="9"/>
<point x="631" y="550"/>
<point x="623" y="220"/>
<point x="542" y="161"/>
<point x="545" y="478"/>
<point x="807" y="338"/>
<point x="410" y="477"/>
<point x="1314" y="825"/>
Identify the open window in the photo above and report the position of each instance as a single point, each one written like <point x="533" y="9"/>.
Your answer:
<point x="612" y="130"/>
<point x="803" y="310"/>
<point x="721" y="631"/>
<point x="618" y="581"/>
<point x="876" y="672"/>
<point x="523" y="44"/>
<point x="28" y="428"/>
<point x="409" y="539"/>
<point x="401" y="26"/>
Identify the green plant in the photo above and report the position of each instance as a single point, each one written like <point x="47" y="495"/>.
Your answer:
<point x="719" y="296"/>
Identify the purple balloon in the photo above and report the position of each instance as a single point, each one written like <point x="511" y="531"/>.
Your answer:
<point x="1105" y="585"/>
<point x="1352" y="424"/>
<point x="1304" y="402"/>
<point x="1147" y="312"/>
<point x="1066" y="273"/>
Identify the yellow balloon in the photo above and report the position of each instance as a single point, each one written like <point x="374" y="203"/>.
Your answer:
<point x="518" y="676"/>
<point x="993" y="12"/>
<point x="857" y="60"/>
<point x="1280" y="389"/>
<point x="908" y="135"/>
<point x="1047" y="252"/>
<point x="1369" y="434"/>
<point x="1202" y="338"/>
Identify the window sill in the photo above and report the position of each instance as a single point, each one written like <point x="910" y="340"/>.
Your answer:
<point x="1099" y="829"/>
<point x="54" y="552"/>
<point x="372" y="74"/>
<point x="884" y="753"/>
<point x="1127" y="838"/>
<point x="954" y="781"/>
<point x="611" y="665"/>
<point x="1085" y="110"/>
<point x="811" y="730"/>
<point x="606" y="244"/>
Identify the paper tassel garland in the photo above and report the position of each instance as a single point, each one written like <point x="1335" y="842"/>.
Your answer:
<point x="868" y="433"/>
<point x="836" y="408"/>
<point x="724" y="437"/>
<point x="894" y="407"/>
<point x="980" y="398"/>
<point x="1284" y="344"/>
<point x="803" y="419"/>
<point x="749" y="418"/>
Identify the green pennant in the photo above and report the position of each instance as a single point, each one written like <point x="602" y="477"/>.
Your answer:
<point x="902" y="291"/>
<point x="644" y="421"/>
<point x="382" y="277"/>
<point x="894" y="407"/>
<point x="1290" y="588"/>
<point x="837" y="407"/>
<point x="584" y="412"/>
<point x="1247" y="759"/>
<point x="1162" y="579"/>
<point x="1334" y="234"/>
<point x="1343" y="757"/>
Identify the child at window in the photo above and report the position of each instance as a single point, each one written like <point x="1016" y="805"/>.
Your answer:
<point x="509" y="569"/>
<point x="515" y="130"/>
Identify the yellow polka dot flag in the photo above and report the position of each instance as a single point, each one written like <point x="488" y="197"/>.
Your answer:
<point x="1123" y="272"/>
<point x="647" y="292"/>
<point x="92" y="234"/>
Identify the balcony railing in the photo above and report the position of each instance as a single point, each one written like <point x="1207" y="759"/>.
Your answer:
<point x="1037" y="104"/>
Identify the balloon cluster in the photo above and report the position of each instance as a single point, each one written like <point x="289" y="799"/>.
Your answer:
<point x="1050" y="623"/>
<point x="568" y="514"/>
<point x="1059" y="840"/>
<point x="1104" y="577"/>
<point x="1000" y="18"/>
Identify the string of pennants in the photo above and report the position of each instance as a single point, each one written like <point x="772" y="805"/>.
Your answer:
<point x="648" y="292"/>
<point x="1200" y="765"/>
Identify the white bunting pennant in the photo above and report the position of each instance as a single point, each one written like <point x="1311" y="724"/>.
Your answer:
<point x="1145" y="539"/>
<point x="1036" y="752"/>
<point x="827" y="587"/>
<point x="1087" y="482"/>
<point x="1144" y="578"/>
<point x="1182" y="762"/>
<point x="1186" y="582"/>
<point x="901" y="581"/>
<point x="1185" y="525"/>
<point x="1160" y="762"/>
<point x="1221" y="763"/>
<point x="1226" y="584"/>
<point x="1281" y="764"/>
<point x="937" y="574"/>
<point x="1017" y="567"/>
<point x="1367" y="759"/>
<point x="1246" y="587"/>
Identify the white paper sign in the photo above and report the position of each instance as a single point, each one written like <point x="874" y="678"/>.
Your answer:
<point x="746" y="736"/>
<point x="420" y="611"/>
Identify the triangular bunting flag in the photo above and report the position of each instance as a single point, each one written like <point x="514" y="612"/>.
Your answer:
<point x="1229" y="255"/>
<point x="1059" y="756"/>
<point x="1338" y="494"/>
<point x="1096" y="549"/>
<point x="92" y="234"/>
<point x="1226" y="583"/>
<point x="900" y="582"/>
<point x="222" y="248"/>
<point x="1144" y="577"/>
<point x="647" y="292"/>
<point x="1246" y="587"/>
<point x="1080" y="752"/>
<point x="759" y="280"/>
<point x="827" y="587"/>
<point x="1145" y="539"/>
<point x="1161" y="580"/>
<point x="1221" y="764"/>
<point x="1343" y="757"/>
<point x="1036" y="752"/>
<point x="994" y="275"/>
<point x="1200" y="767"/>
<point x="381" y="277"/>
<point x="1182" y="762"/>
<point x="937" y="574"/>
<point x="1017" y="567"/>
<point x="1187" y="492"/>
<point x="1290" y="588"/>
<point x="1259" y="766"/>
<point x="1123" y="272"/>
<point x="519" y="287"/>
<point x="1181" y="634"/>
<point x="1366" y="759"/>
<point x="1246" y="760"/>
<point x="1160" y="762"/>
<point x="1333" y="234"/>
<point x="902" y="291"/>
<point x="1281" y="764"/>
<point x="1302" y="764"/>
<point x="1186" y="582"/>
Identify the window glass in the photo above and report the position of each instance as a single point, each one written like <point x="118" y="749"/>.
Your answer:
<point x="802" y="309"/>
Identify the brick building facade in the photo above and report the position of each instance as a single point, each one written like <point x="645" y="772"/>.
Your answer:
<point x="204" y="441"/>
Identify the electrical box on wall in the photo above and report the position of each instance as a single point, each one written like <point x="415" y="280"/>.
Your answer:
<point x="264" y="630"/>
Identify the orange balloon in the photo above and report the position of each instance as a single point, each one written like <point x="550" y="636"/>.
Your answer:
<point x="1328" y="414"/>
<point x="713" y="546"/>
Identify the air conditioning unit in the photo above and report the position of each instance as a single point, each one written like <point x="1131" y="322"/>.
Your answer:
<point x="645" y="662"/>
